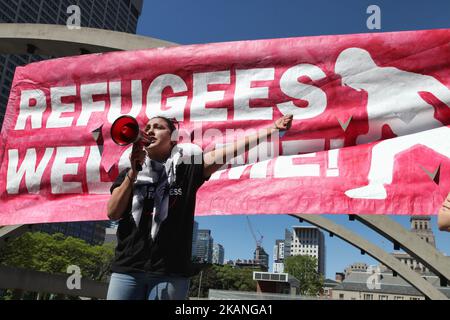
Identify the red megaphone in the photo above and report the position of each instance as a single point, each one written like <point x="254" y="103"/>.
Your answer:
<point x="125" y="130"/>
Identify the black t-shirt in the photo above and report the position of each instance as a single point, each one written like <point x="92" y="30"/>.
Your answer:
<point x="170" y="252"/>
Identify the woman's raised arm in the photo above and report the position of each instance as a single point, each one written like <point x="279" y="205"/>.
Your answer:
<point x="216" y="158"/>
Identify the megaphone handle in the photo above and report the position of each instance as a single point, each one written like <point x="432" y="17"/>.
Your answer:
<point x="137" y="165"/>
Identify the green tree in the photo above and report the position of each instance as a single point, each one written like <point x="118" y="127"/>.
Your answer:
<point x="54" y="253"/>
<point x="304" y="269"/>
<point x="224" y="277"/>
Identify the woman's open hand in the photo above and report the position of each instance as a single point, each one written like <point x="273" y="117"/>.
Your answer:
<point x="284" y="123"/>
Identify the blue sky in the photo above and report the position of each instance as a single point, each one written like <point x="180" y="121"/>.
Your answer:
<point x="207" y="21"/>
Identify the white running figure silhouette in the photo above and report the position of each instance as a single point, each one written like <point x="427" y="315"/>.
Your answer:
<point x="393" y="99"/>
<point x="383" y="156"/>
<point x="393" y="94"/>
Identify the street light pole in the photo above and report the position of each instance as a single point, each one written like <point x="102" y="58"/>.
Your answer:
<point x="200" y="284"/>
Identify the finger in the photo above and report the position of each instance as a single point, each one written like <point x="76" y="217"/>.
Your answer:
<point x="141" y="155"/>
<point x="145" y="136"/>
<point x="138" y="155"/>
<point x="134" y="154"/>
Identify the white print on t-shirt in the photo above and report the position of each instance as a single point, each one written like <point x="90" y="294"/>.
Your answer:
<point x="175" y="192"/>
<point x="172" y="192"/>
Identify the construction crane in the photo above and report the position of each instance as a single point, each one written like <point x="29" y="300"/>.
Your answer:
<point x="258" y="242"/>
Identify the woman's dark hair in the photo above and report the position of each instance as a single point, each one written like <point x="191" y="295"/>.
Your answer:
<point x="172" y="123"/>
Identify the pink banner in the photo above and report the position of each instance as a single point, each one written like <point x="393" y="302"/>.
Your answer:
<point x="370" y="131"/>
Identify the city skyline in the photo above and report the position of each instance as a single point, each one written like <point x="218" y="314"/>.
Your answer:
<point x="339" y="254"/>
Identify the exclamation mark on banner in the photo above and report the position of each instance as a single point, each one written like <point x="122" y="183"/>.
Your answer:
<point x="332" y="170"/>
<point x="333" y="155"/>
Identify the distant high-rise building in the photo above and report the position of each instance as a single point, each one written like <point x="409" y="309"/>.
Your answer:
<point x="275" y="251"/>
<point x="204" y="247"/>
<point x="278" y="257"/>
<point x="194" y="239"/>
<point x="261" y="256"/>
<point x="116" y="15"/>
<point x="287" y="243"/>
<point x="93" y="232"/>
<point x="218" y="254"/>
<point x="309" y="241"/>
<point x="278" y="250"/>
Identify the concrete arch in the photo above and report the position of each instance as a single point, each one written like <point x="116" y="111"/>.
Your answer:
<point x="410" y="242"/>
<point x="413" y="278"/>
<point x="8" y="233"/>
<point x="59" y="41"/>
